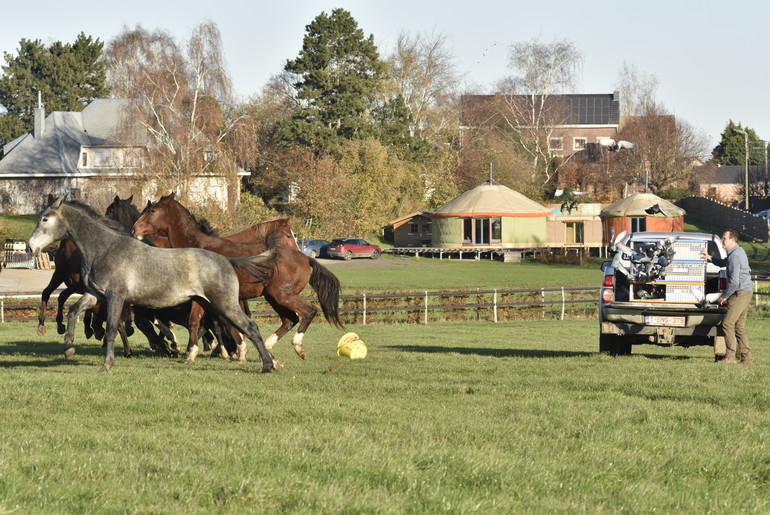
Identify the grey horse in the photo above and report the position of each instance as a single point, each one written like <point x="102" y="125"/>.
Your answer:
<point x="118" y="268"/>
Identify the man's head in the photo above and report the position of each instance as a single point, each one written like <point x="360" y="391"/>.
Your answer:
<point x="730" y="239"/>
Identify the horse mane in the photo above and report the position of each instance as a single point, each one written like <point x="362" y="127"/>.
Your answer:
<point x="205" y="226"/>
<point x="91" y="212"/>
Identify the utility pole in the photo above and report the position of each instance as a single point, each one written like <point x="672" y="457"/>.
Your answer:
<point x="746" y="166"/>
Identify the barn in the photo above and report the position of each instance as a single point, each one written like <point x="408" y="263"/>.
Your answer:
<point x="641" y="212"/>
<point x="490" y="215"/>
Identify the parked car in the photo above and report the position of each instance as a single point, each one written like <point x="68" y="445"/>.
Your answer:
<point x="313" y="247"/>
<point x="659" y="290"/>
<point x="348" y="248"/>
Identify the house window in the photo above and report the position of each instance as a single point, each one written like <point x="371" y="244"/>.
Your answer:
<point x="479" y="231"/>
<point x="84" y="161"/>
<point x="467" y="230"/>
<point x="556" y="144"/>
<point x="574" y="232"/>
<point x="578" y="143"/>
<point x="638" y="223"/>
<point x="497" y="230"/>
<point x="427" y="227"/>
<point x="414" y="228"/>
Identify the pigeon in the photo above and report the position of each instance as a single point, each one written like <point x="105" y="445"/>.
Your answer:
<point x="614" y="146"/>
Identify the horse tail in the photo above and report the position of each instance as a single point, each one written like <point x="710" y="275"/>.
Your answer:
<point x="327" y="288"/>
<point x="260" y="266"/>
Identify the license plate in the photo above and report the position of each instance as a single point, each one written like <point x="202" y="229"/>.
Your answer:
<point x="662" y="320"/>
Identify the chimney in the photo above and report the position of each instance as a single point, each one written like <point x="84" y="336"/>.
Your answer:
<point x="39" y="118"/>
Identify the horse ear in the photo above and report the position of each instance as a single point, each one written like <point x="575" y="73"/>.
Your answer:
<point x="130" y="199"/>
<point x="116" y="198"/>
<point x="56" y="203"/>
<point x="171" y="195"/>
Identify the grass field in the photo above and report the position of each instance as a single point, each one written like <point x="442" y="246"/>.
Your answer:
<point x="474" y="417"/>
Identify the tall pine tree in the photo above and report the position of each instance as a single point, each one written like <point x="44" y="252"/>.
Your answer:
<point x="339" y="75"/>
<point x="68" y="76"/>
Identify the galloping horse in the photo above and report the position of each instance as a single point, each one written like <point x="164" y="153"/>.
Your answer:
<point x="293" y="269"/>
<point x="120" y="269"/>
<point x="67" y="267"/>
<point x="126" y="214"/>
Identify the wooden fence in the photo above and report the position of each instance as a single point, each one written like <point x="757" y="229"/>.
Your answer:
<point x="421" y="307"/>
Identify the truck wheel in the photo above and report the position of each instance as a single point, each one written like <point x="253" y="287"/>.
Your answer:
<point x="614" y="345"/>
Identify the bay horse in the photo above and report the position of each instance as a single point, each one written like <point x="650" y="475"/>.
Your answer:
<point x="293" y="269"/>
<point x="118" y="269"/>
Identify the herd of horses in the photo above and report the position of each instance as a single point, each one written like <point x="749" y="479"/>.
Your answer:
<point x="163" y="266"/>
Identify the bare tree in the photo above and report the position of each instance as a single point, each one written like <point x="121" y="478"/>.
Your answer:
<point x="528" y="103"/>
<point x="423" y="69"/>
<point x="638" y="90"/>
<point x="183" y="98"/>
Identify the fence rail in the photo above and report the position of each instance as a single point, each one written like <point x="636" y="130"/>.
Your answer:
<point x="413" y="307"/>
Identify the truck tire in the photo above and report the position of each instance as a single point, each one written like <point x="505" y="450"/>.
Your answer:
<point x="614" y="345"/>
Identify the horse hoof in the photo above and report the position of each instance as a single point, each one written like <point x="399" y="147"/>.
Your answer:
<point x="98" y="334"/>
<point x="278" y="365"/>
<point x="69" y="352"/>
<point x="105" y="368"/>
<point x="126" y="354"/>
<point x="61" y="329"/>
<point x="129" y="330"/>
<point x="41" y="330"/>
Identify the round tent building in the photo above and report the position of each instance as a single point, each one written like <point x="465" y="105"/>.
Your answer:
<point x="490" y="215"/>
<point x="642" y="212"/>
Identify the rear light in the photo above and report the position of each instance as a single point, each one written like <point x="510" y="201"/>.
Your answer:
<point x="608" y="290"/>
<point x="609" y="280"/>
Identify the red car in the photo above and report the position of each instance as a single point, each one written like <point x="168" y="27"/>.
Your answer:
<point x="347" y="248"/>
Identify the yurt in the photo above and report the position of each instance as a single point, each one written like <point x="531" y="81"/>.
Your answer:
<point x="490" y="215"/>
<point x="641" y="212"/>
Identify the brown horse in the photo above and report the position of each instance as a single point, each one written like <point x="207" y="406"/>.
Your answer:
<point x="292" y="270"/>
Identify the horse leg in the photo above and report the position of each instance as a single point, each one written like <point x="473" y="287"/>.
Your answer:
<point x="244" y="324"/>
<point x="60" y="301"/>
<point x="125" y="319"/>
<point x="194" y="321"/>
<point x="85" y="302"/>
<point x="97" y="323"/>
<point x="165" y="330"/>
<point x="89" y="321"/>
<point x="45" y="296"/>
<point x="156" y="341"/>
<point x="288" y="320"/>
<point x="114" y="310"/>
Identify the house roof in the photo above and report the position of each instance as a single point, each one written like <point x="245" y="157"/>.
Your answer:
<point x="491" y="199"/>
<point x="56" y="151"/>
<point x="635" y="205"/>
<point x="726" y="174"/>
<point x="583" y="109"/>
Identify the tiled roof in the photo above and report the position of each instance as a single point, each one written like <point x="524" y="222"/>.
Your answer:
<point x="55" y="153"/>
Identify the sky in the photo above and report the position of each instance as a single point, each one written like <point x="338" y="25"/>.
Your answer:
<point x="709" y="57"/>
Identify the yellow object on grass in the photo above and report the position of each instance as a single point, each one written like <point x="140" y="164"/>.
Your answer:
<point x="351" y="346"/>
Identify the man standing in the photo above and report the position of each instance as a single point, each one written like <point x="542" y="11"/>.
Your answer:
<point x="737" y="295"/>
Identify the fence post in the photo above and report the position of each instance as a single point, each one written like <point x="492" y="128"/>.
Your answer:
<point x="756" y="291"/>
<point x="364" y="295"/>
<point x="494" y="301"/>
<point x="562" y="302"/>
<point x="542" y="300"/>
<point x="2" y="311"/>
<point x="426" y="308"/>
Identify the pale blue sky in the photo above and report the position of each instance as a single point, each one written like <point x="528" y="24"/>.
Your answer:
<point x="710" y="57"/>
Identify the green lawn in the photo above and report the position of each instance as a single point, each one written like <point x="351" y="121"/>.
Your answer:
<point x="475" y="417"/>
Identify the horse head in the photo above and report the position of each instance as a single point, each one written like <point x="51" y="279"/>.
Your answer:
<point x="50" y="228"/>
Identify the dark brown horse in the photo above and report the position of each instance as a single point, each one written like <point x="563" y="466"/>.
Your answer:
<point x="292" y="270"/>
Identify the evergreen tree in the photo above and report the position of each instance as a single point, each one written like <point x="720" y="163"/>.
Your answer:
<point x="731" y="149"/>
<point x="339" y="76"/>
<point x="68" y="76"/>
